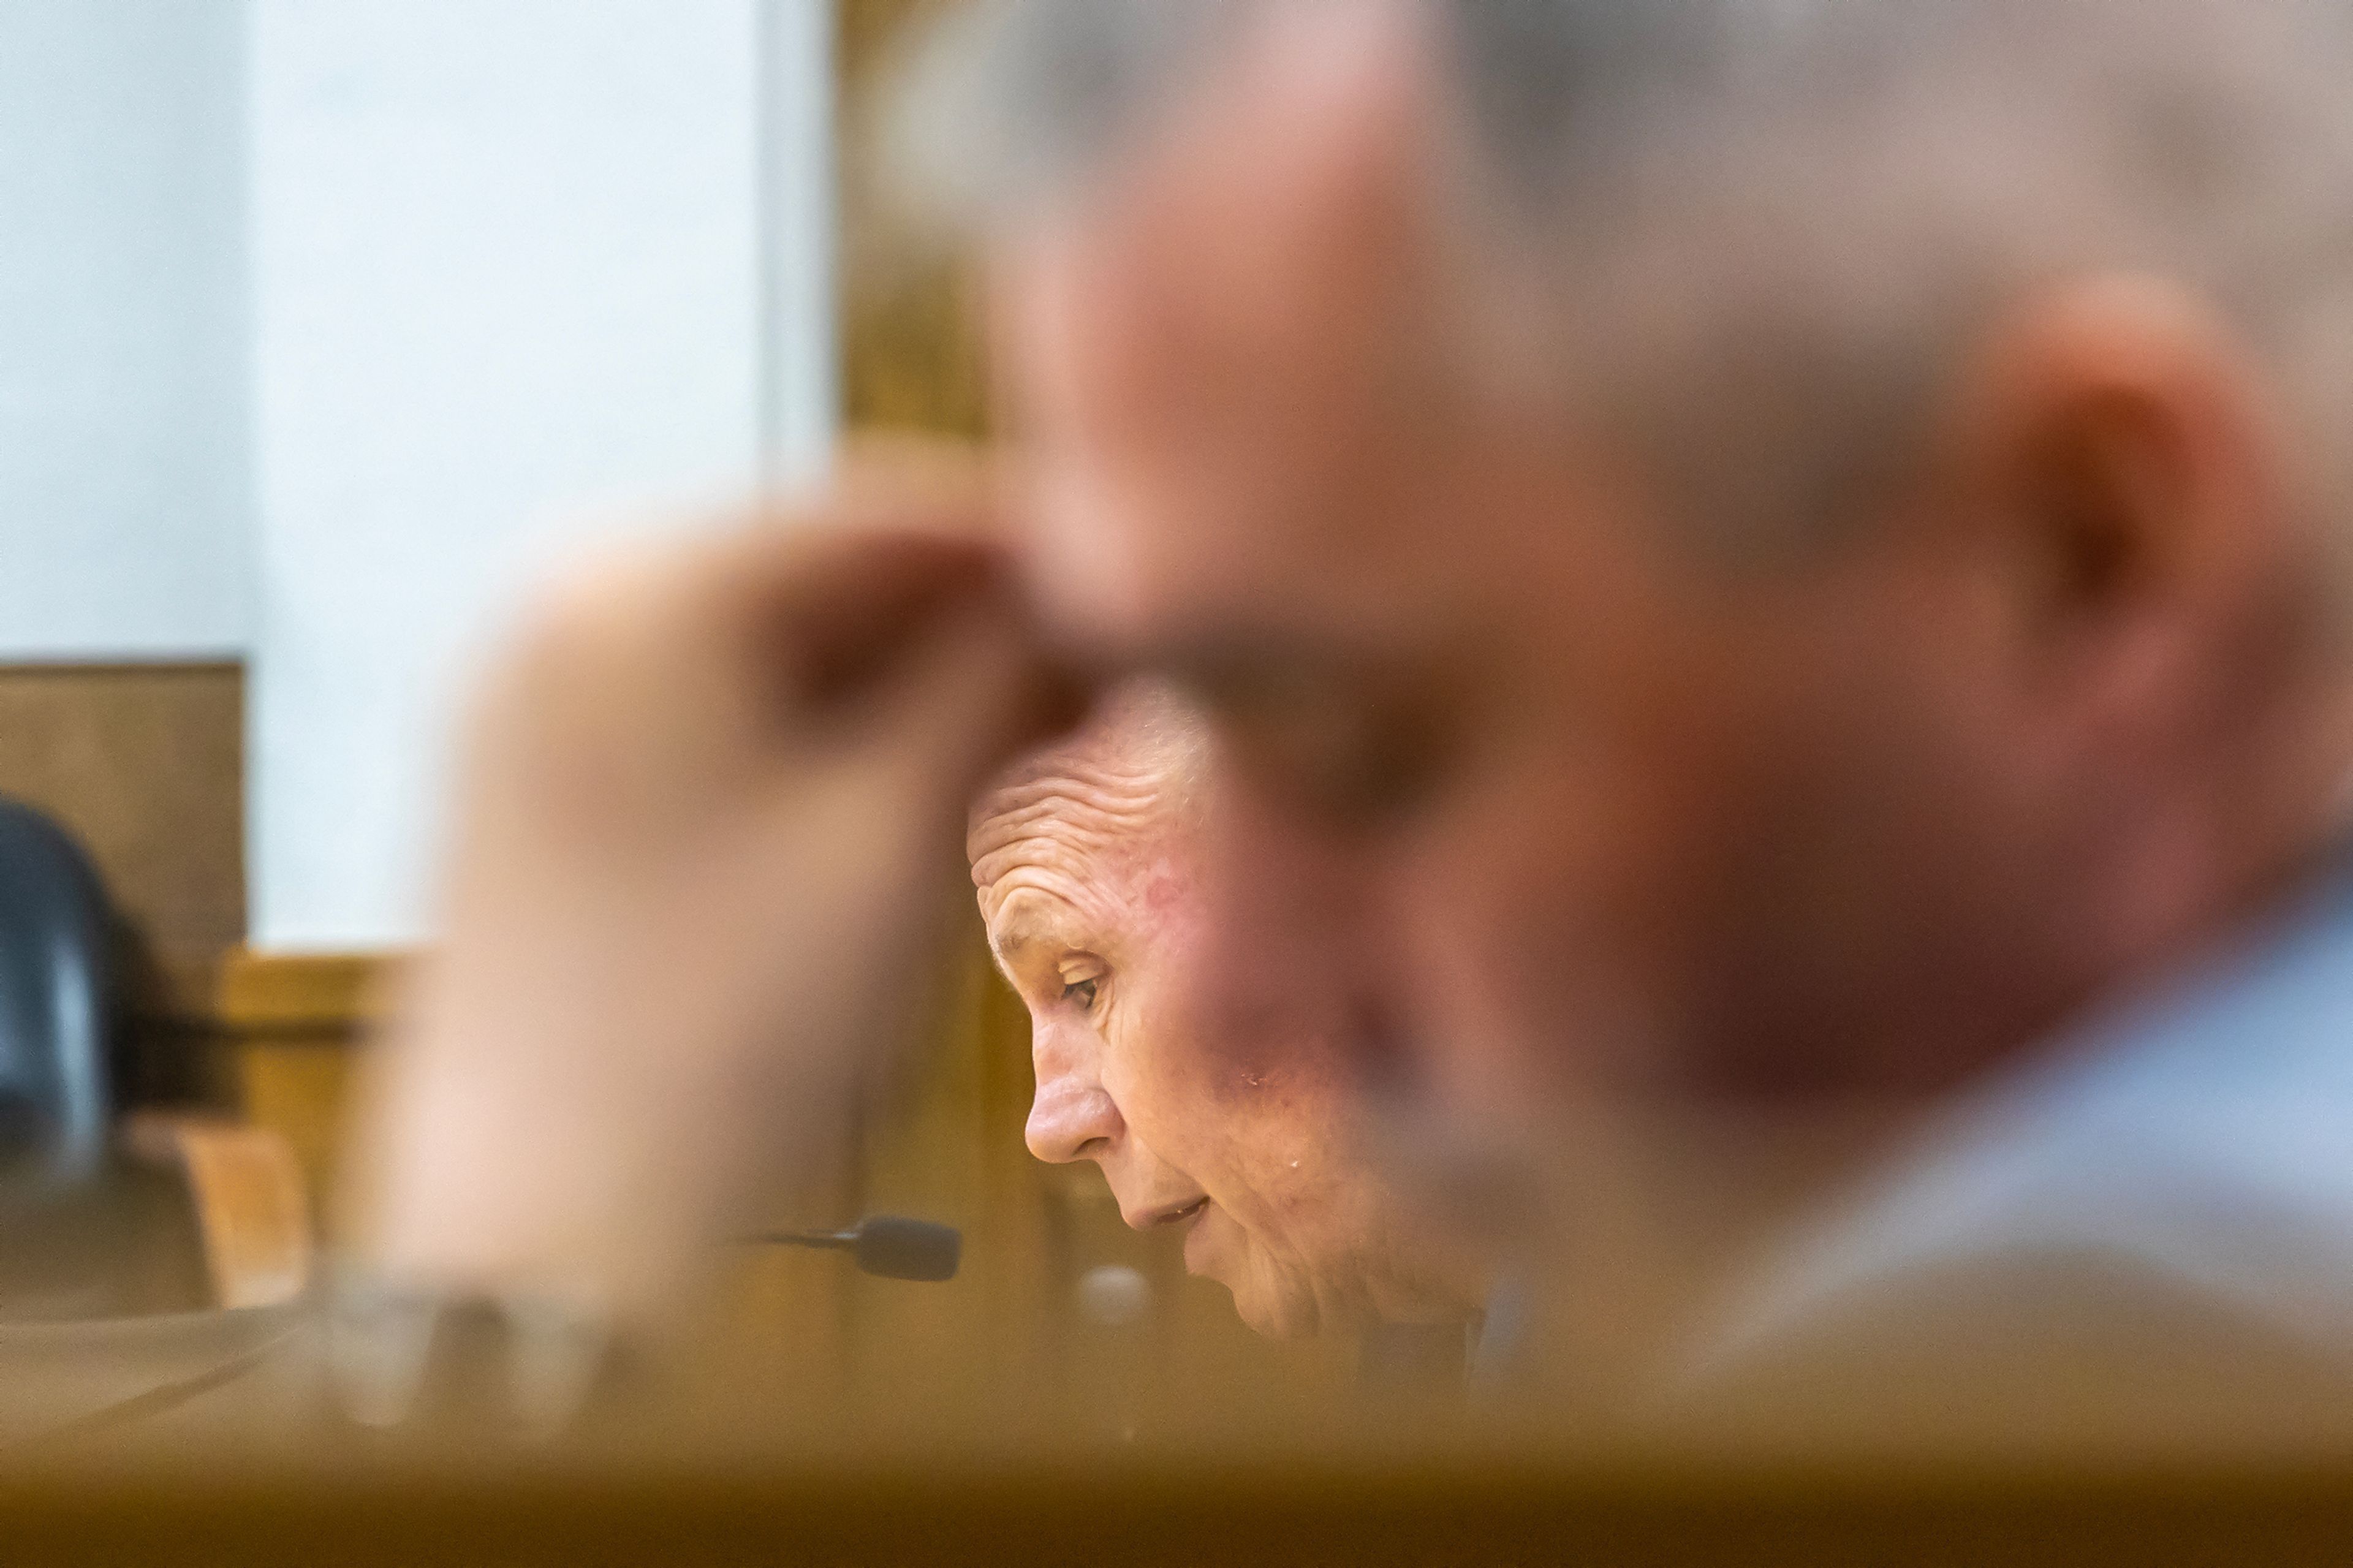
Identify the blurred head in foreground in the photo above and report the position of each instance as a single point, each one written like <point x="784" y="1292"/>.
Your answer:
<point x="1746" y="552"/>
<point x="1088" y="858"/>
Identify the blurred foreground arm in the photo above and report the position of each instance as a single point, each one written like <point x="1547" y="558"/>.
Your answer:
<point x="704" y="839"/>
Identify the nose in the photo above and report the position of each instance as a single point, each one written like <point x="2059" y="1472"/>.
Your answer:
<point x="1072" y="1114"/>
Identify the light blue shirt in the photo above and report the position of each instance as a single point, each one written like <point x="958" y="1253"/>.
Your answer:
<point x="2200" y="1135"/>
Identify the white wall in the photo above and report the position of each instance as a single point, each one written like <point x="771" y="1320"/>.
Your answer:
<point x="325" y="325"/>
<point x="520" y="269"/>
<point x="123" y="444"/>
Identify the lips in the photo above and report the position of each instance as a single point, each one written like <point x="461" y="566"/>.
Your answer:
<point x="1183" y="1215"/>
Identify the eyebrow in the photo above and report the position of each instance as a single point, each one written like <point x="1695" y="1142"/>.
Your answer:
<point x="1019" y="935"/>
<point x="1012" y="945"/>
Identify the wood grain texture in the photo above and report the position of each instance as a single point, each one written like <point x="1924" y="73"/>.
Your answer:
<point x="144" y="763"/>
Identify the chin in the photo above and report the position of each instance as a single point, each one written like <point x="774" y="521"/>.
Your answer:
<point x="1270" y="1321"/>
<point x="1273" y="1302"/>
<point x="1273" y="1313"/>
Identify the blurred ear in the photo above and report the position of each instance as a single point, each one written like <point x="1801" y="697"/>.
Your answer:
<point x="2127" y="477"/>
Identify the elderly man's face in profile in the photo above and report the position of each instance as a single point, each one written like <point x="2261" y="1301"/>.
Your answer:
<point x="1088" y="863"/>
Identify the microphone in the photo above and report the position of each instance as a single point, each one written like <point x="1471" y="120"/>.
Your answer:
<point x="888" y="1245"/>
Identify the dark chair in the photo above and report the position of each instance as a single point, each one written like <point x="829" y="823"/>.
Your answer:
<point x="84" y="1233"/>
<point x="57" y="1010"/>
<point x="122" y="1243"/>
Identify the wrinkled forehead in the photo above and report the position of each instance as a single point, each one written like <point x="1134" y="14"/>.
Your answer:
<point x="1070" y="840"/>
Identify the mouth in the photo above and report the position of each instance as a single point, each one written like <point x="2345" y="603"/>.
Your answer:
<point x="1186" y="1216"/>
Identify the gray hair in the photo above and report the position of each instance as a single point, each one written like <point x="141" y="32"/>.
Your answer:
<point x="1751" y="234"/>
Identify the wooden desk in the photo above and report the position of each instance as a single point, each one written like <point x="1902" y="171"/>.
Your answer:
<point x="1142" y="1509"/>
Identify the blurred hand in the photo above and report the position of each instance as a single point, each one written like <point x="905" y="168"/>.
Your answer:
<point x="707" y="840"/>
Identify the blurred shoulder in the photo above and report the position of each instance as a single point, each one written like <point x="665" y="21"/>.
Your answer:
<point x="2029" y="1345"/>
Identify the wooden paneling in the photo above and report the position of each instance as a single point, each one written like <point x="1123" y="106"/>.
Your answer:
<point x="145" y="765"/>
<point x="289" y="1026"/>
<point x="301" y="994"/>
<point x="911" y="349"/>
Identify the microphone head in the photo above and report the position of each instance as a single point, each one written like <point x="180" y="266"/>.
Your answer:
<point x="896" y="1247"/>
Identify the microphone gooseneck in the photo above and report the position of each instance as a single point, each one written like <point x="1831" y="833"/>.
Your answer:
<point x="889" y="1247"/>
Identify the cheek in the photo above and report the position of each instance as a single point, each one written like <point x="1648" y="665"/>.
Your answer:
<point x="1295" y="1163"/>
<point x="1155" y="1060"/>
<point x="1255" y="1136"/>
